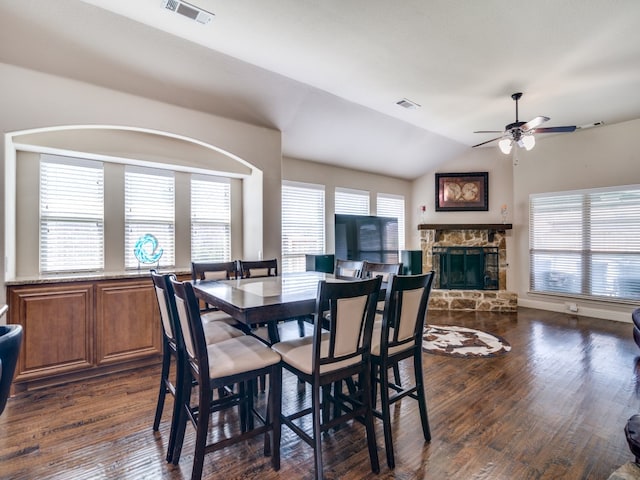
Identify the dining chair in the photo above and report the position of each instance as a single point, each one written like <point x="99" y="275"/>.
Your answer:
<point x="10" y="341"/>
<point x="371" y="269"/>
<point x="258" y="268"/>
<point x="399" y="337"/>
<point x="348" y="269"/>
<point x="201" y="271"/>
<point x="171" y="349"/>
<point x="327" y="358"/>
<point x="240" y="360"/>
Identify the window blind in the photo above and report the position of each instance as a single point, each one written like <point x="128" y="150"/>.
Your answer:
<point x="351" y="202"/>
<point x="210" y="219"/>
<point x="586" y="243"/>
<point x="303" y="224"/>
<point x="71" y="215"/>
<point x="149" y="209"/>
<point x="392" y="206"/>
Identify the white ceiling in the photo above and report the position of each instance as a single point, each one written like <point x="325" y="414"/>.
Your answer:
<point x="327" y="73"/>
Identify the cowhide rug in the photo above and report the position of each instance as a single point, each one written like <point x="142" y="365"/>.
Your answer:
<point x="462" y="342"/>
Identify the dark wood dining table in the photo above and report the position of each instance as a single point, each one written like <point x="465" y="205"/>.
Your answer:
<point x="263" y="300"/>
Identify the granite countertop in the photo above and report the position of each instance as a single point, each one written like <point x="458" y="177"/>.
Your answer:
<point x="89" y="276"/>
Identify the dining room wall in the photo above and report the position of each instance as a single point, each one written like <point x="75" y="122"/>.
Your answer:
<point x="332" y="176"/>
<point x="34" y="100"/>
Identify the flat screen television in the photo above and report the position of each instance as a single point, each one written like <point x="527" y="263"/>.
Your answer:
<point x="365" y="237"/>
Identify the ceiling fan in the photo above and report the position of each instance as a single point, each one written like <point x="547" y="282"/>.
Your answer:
<point x="521" y="133"/>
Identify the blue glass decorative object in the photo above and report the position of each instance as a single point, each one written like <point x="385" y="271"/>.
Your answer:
<point x="147" y="250"/>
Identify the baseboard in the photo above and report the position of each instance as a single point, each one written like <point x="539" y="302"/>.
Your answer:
<point x="584" y="311"/>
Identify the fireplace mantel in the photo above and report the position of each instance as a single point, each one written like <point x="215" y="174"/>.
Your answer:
<point x="491" y="227"/>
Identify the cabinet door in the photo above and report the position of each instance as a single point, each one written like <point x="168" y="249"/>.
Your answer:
<point x="58" y="329"/>
<point x="127" y="321"/>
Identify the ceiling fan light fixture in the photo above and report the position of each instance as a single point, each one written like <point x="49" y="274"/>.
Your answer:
<point x="528" y="142"/>
<point x="505" y="145"/>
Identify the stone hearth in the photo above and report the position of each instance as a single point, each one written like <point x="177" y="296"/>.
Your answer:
<point x="499" y="300"/>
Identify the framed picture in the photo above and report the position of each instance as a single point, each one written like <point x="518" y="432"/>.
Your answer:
<point x="459" y="192"/>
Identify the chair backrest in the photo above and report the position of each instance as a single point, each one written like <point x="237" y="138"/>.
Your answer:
<point x="259" y="268"/>
<point x="10" y="340"/>
<point x="404" y="312"/>
<point x="348" y="269"/>
<point x="373" y="269"/>
<point x="166" y="304"/>
<point x="213" y="271"/>
<point x="191" y="328"/>
<point x="351" y="308"/>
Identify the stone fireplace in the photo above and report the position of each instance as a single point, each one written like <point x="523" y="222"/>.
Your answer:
<point x="469" y="262"/>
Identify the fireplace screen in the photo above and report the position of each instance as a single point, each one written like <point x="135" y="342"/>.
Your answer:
<point x="466" y="268"/>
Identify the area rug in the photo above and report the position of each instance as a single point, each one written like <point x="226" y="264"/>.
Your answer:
<point x="462" y="342"/>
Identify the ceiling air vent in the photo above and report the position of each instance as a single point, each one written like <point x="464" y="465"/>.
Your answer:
<point x="406" y="103"/>
<point x="187" y="10"/>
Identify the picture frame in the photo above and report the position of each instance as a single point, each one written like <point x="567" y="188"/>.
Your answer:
<point x="462" y="192"/>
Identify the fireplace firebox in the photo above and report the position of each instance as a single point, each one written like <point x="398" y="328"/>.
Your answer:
<point x="466" y="268"/>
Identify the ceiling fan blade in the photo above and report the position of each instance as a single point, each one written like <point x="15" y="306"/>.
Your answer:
<point x="488" y="141"/>
<point x="571" y="128"/>
<point x="488" y="131"/>
<point x="531" y="124"/>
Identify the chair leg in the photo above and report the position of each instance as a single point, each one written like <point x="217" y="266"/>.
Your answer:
<point x="396" y="374"/>
<point x="368" y="421"/>
<point x="177" y="409"/>
<point x="422" y="401"/>
<point x="374" y="385"/>
<point x="274" y="408"/>
<point x="162" y="393"/>
<point x="202" y="428"/>
<point x="180" y="423"/>
<point x="244" y="391"/>
<point x="317" y="435"/>
<point x="386" y="415"/>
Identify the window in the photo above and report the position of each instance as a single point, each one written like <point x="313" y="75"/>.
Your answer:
<point x="352" y="202"/>
<point x="586" y="243"/>
<point x="393" y="206"/>
<point x="210" y="219"/>
<point x="302" y="224"/>
<point x="71" y="215"/>
<point x="149" y="209"/>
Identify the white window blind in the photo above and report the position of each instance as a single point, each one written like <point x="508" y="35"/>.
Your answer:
<point x="351" y="202"/>
<point x="149" y="209"/>
<point x="303" y="224"/>
<point x="210" y="219"/>
<point x="586" y="243"/>
<point x="392" y="206"/>
<point x="71" y="215"/>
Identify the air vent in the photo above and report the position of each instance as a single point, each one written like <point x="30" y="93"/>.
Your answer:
<point x="406" y="103"/>
<point x="190" y="11"/>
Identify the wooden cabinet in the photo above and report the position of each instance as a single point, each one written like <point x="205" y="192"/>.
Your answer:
<point x="74" y="330"/>
<point x="58" y="329"/>
<point x="127" y="322"/>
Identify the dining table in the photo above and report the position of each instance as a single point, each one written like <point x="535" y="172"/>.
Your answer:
<point x="264" y="300"/>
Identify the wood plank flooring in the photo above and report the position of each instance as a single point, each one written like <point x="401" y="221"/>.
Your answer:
<point x="553" y="408"/>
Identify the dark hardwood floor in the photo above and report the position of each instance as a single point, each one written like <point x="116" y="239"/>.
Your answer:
<point x="554" y="407"/>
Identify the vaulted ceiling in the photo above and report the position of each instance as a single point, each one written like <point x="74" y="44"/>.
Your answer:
<point x="328" y="73"/>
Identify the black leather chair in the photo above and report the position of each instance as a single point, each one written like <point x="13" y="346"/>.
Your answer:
<point x="10" y="340"/>
<point x="635" y="316"/>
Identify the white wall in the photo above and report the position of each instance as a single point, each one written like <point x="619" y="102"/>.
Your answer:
<point x="31" y="100"/>
<point x="596" y="157"/>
